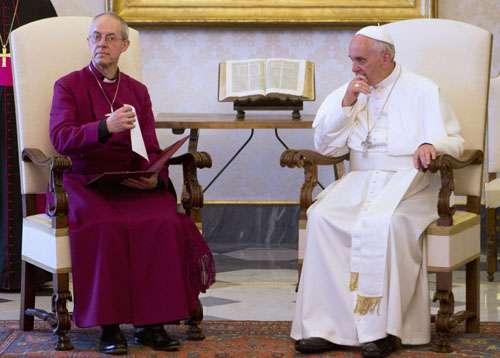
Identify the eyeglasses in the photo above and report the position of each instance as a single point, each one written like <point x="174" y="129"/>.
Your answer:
<point x="96" y="37"/>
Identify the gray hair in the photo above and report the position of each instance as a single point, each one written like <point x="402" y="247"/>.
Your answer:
<point x="385" y="47"/>
<point x="116" y="17"/>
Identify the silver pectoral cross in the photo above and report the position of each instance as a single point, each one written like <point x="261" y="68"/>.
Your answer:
<point x="4" y="56"/>
<point x="367" y="143"/>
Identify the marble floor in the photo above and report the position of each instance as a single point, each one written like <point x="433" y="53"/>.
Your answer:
<point x="259" y="284"/>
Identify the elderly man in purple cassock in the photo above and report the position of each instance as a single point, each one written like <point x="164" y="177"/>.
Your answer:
<point x="135" y="259"/>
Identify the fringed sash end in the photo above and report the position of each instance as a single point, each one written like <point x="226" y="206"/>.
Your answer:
<point x="365" y="305"/>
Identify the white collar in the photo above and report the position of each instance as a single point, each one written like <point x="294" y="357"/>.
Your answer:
<point x="389" y="80"/>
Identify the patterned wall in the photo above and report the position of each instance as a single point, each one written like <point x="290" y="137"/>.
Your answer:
<point x="180" y="69"/>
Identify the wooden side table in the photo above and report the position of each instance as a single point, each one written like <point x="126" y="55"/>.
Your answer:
<point x="179" y="122"/>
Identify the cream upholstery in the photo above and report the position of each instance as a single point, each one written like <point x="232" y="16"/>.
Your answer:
<point x="42" y="53"/>
<point x="449" y="248"/>
<point x="44" y="246"/>
<point x="492" y="188"/>
<point x="456" y="56"/>
<point x="492" y="193"/>
<point x="494" y="128"/>
<point x="458" y="60"/>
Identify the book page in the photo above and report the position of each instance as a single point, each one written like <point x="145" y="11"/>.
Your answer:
<point x="245" y="78"/>
<point x="285" y="76"/>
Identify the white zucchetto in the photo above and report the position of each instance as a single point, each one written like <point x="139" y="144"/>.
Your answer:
<point x="376" y="33"/>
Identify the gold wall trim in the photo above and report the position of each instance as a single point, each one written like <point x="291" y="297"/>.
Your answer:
<point x="288" y="12"/>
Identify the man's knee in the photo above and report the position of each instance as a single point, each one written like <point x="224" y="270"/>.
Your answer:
<point x="316" y="214"/>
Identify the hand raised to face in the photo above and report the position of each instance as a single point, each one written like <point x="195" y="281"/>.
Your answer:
<point x="358" y="85"/>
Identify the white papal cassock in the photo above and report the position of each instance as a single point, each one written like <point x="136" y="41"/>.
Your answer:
<point x="370" y="222"/>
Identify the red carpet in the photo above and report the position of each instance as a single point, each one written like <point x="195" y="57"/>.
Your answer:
<point x="225" y="339"/>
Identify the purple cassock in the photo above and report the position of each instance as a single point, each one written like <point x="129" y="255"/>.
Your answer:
<point x="135" y="259"/>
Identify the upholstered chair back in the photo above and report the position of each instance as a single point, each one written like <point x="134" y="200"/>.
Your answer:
<point x="456" y="56"/>
<point x="494" y="126"/>
<point x="42" y="52"/>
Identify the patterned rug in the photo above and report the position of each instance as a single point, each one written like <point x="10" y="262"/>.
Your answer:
<point x="224" y="339"/>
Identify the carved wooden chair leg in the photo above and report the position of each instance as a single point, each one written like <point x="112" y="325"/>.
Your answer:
<point x="194" y="332"/>
<point x="472" y="279"/>
<point x="63" y="325"/>
<point x="444" y="318"/>
<point x="491" y="232"/>
<point x="26" y="321"/>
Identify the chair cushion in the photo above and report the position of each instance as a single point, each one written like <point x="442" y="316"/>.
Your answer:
<point x="492" y="193"/>
<point x="470" y="46"/>
<point x="450" y="247"/>
<point x="493" y="152"/>
<point x="44" y="246"/>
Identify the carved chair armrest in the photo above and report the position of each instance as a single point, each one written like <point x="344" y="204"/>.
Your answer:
<point x="445" y="164"/>
<point x="293" y="158"/>
<point x="56" y="197"/>
<point x="192" y="192"/>
<point x="309" y="160"/>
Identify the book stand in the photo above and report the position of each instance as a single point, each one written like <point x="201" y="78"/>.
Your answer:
<point x="267" y="104"/>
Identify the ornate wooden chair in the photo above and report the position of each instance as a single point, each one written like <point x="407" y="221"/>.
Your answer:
<point x="492" y="187"/>
<point x="457" y="57"/>
<point x="43" y="51"/>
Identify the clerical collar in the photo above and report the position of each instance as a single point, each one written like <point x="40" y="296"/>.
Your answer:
<point x="389" y="80"/>
<point x="100" y="76"/>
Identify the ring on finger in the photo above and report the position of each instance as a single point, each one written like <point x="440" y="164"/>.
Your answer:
<point x="356" y="85"/>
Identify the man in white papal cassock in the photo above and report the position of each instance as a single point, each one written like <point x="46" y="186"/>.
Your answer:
<point x="364" y="278"/>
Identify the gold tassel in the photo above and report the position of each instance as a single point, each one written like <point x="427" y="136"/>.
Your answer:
<point x="353" y="284"/>
<point x="365" y="305"/>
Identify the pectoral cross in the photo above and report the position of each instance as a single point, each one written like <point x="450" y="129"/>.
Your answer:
<point x="4" y="56"/>
<point x="366" y="144"/>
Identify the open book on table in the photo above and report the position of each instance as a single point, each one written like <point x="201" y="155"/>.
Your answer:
<point x="107" y="178"/>
<point x="273" y="77"/>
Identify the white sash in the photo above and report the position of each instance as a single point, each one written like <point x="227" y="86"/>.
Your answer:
<point x="371" y="231"/>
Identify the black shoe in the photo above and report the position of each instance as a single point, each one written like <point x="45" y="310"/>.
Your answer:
<point x="380" y="348"/>
<point x="112" y="340"/>
<point x="314" y="345"/>
<point x="154" y="336"/>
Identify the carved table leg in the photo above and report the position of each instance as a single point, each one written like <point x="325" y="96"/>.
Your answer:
<point x="472" y="296"/>
<point x="194" y="331"/>
<point x="240" y="114"/>
<point x="295" y="114"/>
<point x="491" y="232"/>
<point x="60" y="297"/>
<point x="26" y="321"/>
<point x="194" y="135"/>
<point x="444" y="318"/>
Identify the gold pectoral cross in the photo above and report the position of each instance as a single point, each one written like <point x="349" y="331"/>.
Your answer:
<point x="4" y="56"/>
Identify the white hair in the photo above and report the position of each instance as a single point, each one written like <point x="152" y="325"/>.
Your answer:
<point x="124" y="25"/>
<point x="385" y="47"/>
